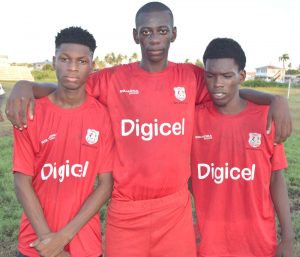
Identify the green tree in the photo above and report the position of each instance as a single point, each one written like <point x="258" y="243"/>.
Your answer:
<point x="47" y="67"/>
<point x="99" y="64"/>
<point x="133" y="58"/>
<point x="199" y="63"/>
<point x="283" y="58"/>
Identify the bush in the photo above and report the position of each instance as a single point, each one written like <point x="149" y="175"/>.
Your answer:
<point x="261" y="83"/>
<point x="44" y="75"/>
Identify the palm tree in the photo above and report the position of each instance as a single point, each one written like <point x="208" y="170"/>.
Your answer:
<point x="283" y="58"/>
<point x="134" y="57"/>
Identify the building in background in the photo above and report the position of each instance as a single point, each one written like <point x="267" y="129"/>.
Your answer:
<point x="13" y="73"/>
<point x="270" y="73"/>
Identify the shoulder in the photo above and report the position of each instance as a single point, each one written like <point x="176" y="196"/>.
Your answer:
<point x="188" y="66"/>
<point x="109" y="71"/>
<point x="95" y="107"/>
<point x="258" y="109"/>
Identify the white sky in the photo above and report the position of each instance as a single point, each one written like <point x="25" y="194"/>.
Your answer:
<point x="265" y="29"/>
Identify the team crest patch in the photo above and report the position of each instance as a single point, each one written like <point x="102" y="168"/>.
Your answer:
<point x="180" y="93"/>
<point x="92" y="136"/>
<point x="254" y="139"/>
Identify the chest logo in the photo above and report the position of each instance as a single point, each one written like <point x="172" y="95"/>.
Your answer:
<point x="254" y="139"/>
<point x="180" y="93"/>
<point x="92" y="136"/>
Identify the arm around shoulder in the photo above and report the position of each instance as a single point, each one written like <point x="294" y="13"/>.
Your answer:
<point x="22" y="98"/>
<point x="279" y="112"/>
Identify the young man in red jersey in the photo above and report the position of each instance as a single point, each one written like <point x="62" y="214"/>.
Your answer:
<point x="151" y="104"/>
<point x="58" y="158"/>
<point x="237" y="175"/>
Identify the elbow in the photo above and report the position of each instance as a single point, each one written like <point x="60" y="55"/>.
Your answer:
<point x="108" y="187"/>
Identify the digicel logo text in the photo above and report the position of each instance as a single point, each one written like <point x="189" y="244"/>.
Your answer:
<point x="66" y="170"/>
<point x="149" y="130"/>
<point x="219" y="174"/>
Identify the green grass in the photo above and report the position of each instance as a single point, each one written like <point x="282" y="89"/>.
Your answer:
<point x="10" y="211"/>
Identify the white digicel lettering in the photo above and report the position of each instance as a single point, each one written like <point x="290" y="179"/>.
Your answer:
<point x="149" y="130"/>
<point x="66" y="170"/>
<point x="219" y="174"/>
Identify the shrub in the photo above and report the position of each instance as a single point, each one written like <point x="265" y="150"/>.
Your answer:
<point x="44" y="75"/>
<point x="261" y="83"/>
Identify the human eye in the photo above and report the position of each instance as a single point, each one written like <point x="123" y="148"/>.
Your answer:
<point x="83" y="61"/>
<point x="63" y="59"/>
<point x="208" y="75"/>
<point x="163" y="31"/>
<point x="227" y="75"/>
<point x="145" y="32"/>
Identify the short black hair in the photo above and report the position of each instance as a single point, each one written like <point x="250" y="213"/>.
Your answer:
<point x="75" y="35"/>
<point x="225" y="48"/>
<point x="154" y="7"/>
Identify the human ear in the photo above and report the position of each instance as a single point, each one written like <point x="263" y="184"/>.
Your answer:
<point x="135" y="36"/>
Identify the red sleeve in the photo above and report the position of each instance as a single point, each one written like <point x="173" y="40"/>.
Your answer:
<point x="23" y="153"/>
<point x="98" y="83"/>
<point x="202" y="94"/>
<point x="107" y="147"/>
<point x="278" y="159"/>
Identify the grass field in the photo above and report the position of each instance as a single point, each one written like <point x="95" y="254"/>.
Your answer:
<point x="10" y="211"/>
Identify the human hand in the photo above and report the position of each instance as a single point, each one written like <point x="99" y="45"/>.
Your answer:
<point x="20" y="100"/>
<point x="50" y="245"/>
<point x="279" y="113"/>
<point x="285" y="249"/>
<point x="63" y="254"/>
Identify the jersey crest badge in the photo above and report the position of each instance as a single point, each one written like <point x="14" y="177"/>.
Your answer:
<point x="92" y="136"/>
<point x="254" y="139"/>
<point x="180" y="93"/>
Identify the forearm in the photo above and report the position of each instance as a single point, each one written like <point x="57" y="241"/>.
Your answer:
<point x="90" y="207"/>
<point x="257" y="97"/>
<point x="281" y="204"/>
<point x="39" y="90"/>
<point x="31" y="205"/>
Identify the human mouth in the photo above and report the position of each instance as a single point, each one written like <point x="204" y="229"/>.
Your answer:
<point x="155" y="52"/>
<point x="219" y="95"/>
<point x="71" y="79"/>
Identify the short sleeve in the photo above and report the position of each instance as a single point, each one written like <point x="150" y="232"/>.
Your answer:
<point x="108" y="148"/>
<point x="98" y="84"/>
<point x="23" y="153"/>
<point x="202" y="94"/>
<point x="278" y="159"/>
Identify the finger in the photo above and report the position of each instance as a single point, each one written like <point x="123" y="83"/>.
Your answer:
<point x="31" y="108"/>
<point x="9" y="112"/>
<point x="23" y="111"/>
<point x="14" y="110"/>
<point x="35" y="243"/>
<point x="269" y="122"/>
<point x="278" y="135"/>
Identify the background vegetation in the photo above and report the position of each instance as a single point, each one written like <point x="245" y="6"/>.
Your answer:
<point x="10" y="211"/>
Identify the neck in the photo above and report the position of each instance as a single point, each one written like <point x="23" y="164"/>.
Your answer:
<point x="235" y="107"/>
<point x="67" y="99"/>
<point x="153" y="66"/>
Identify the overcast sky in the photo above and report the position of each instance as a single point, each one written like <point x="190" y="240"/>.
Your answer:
<point x="265" y="29"/>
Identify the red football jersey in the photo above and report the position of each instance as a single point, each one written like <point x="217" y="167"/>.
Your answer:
<point x="232" y="162"/>
<point x="152" y="116"/>
<point x="64" y="150"/>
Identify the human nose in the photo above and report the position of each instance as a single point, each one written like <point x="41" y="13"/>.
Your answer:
<point x="73" y="65"/>
<point x="154" y="37"/>
<point x="218" y="82"/>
